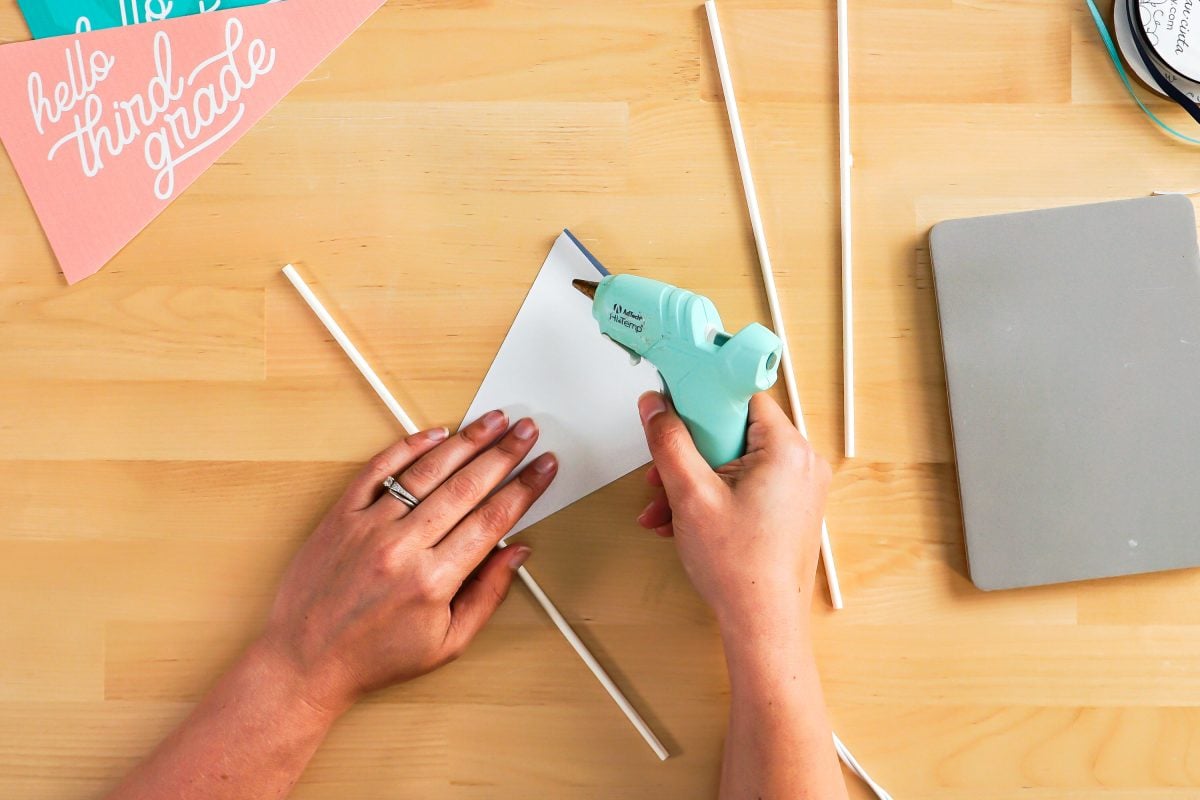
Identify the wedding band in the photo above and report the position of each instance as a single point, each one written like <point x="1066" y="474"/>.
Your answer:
<point x="400" y="493"/>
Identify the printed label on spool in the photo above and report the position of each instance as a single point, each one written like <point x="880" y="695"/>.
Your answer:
<point x="1173" y="30"/>
<point x="1123" y="33"/>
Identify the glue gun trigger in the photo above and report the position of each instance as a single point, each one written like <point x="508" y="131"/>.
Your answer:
<point x="634" y="358"/>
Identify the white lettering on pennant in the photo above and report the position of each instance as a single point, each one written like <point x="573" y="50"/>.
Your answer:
<point x="175" y="118"/>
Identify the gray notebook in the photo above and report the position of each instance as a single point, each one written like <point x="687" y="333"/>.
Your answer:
<point x="1071" y="340"/>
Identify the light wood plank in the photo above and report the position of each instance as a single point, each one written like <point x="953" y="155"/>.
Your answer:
<point x="171" y="429"/>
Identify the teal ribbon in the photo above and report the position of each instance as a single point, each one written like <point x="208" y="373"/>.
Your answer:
<point x="1115" y="57"/>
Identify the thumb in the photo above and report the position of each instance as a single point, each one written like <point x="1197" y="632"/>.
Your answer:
<point x="479" y="597"/>
<point x="679" y="463"/>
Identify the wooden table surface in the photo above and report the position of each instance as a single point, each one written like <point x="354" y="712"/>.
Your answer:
<point x="171" y="429"/>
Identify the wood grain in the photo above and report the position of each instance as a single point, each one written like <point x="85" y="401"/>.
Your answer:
<point x="172" y="428"/>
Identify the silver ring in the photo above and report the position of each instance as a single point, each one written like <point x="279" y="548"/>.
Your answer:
<point x="400" y="493"/>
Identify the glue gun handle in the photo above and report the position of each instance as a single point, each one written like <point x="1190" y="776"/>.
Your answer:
<point x="716" y="419"/>
<point x="712" y="391"/>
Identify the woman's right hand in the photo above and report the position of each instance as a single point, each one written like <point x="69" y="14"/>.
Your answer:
<point x="748" y="533"/>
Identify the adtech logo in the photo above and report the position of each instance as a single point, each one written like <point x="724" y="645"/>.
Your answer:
<point x="627" y="318"/>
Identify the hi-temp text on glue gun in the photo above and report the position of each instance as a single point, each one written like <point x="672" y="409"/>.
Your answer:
<point x="709" y="374"/>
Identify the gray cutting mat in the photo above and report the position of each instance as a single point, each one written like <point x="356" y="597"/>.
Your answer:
<point x="1072" y="348"/>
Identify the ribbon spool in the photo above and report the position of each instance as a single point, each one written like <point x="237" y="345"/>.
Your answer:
<point x="1140" y="47"/>
<point x="1160" y="21"/>
<point x="1160" y="40"/>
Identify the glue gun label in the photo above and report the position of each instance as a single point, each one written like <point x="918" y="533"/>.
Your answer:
<point x="625" y="317"/>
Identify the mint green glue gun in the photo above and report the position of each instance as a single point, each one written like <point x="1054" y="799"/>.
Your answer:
<point x="709" y="375"/>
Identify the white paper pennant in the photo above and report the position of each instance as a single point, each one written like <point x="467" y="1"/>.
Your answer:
<point x="580" y="388"/>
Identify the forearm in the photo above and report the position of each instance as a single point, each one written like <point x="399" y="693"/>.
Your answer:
<point x="780" y="744"/>
<point x="250" y="737"/>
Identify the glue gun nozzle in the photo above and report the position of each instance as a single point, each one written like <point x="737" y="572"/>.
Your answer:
<point x="587" y="287"/>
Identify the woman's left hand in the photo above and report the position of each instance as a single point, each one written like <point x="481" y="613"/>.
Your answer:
<point x="381" y="593"/>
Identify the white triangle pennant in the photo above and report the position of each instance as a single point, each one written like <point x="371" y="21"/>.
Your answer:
<point x="580" y="388"/>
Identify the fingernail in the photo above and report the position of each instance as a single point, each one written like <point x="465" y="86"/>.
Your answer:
<point x="651" y="404"/>
<point x="545" y="464"/>
<point x="519" y="557"/>
<point x="493" y="419"/>
<point x="437" y="434"/>
<point x="525" y="429"/>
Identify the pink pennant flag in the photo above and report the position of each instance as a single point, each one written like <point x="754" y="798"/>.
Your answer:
<point x="108" y="127"/>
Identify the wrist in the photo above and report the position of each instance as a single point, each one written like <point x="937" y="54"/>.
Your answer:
<point x="769" y="615"/>
<point x="316" y="695"/>
<point x="765" y="636"/>
<point x="771" y="668"/>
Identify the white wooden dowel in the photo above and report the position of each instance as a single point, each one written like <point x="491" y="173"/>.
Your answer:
<point x="344" y="342"/>
<point x="410" y="427"/>
<point x="768" y="273"/>
<point x="852" y="764"/>
<point x="845" y="164"/>
<point x="581" y="649"/>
